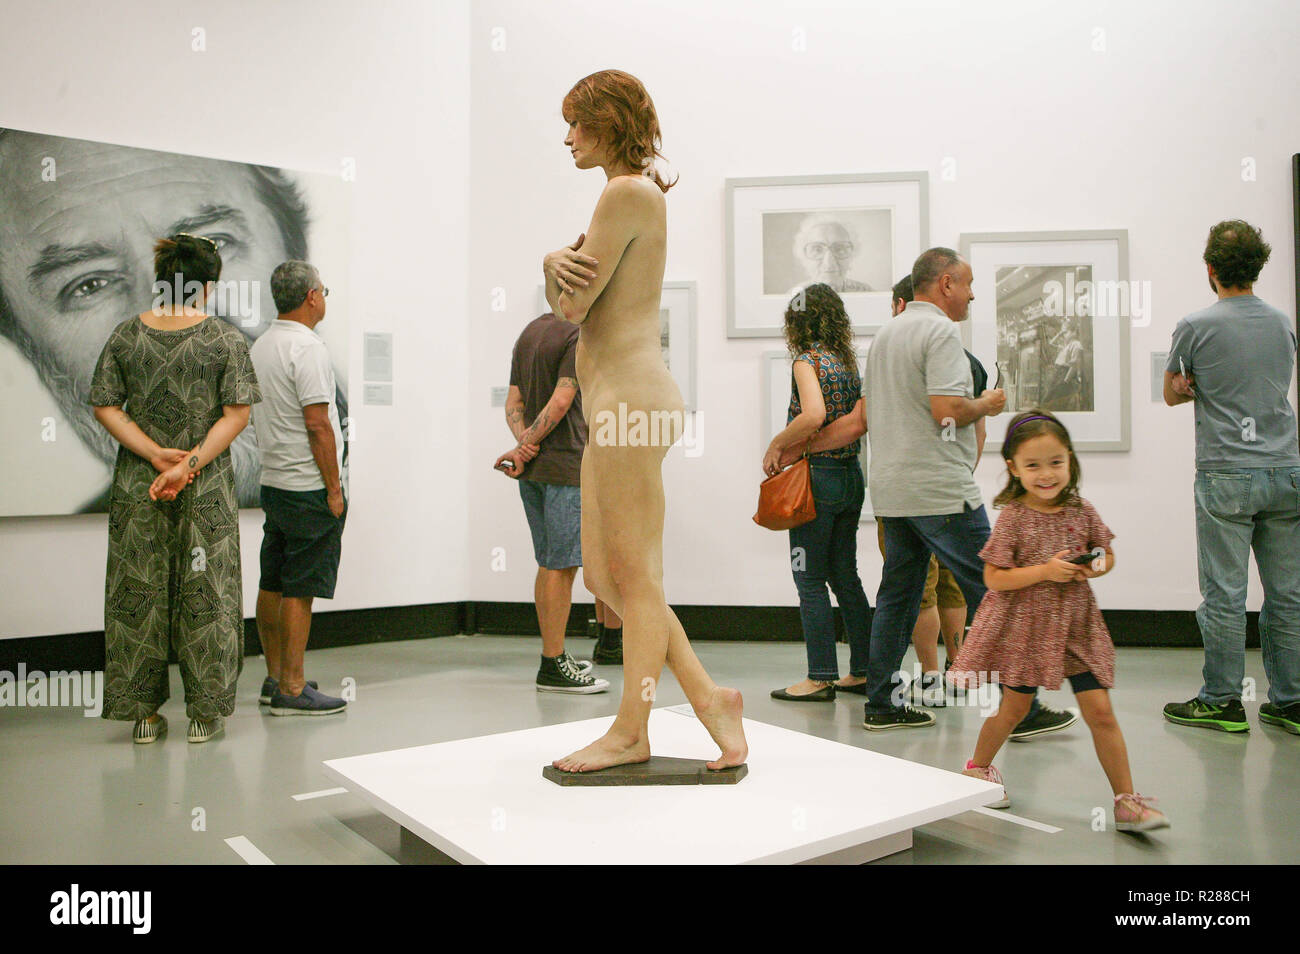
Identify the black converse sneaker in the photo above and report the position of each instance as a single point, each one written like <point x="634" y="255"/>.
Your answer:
<point x="563" y="674"/>
<point x="1041" y="720"/>
<point x="609" y="647"/>
<point x="903" y="717"/>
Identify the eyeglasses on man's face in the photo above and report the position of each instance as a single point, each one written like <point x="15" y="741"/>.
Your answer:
<point x="819" y="249"/>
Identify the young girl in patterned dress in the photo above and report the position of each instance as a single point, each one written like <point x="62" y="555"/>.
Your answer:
<point x="1039" y="621"/>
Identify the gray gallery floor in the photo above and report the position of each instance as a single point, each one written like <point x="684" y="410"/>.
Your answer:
<point x="75" y="790"/>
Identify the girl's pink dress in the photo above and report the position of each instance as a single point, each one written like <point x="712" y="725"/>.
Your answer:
<point x="1040" y="634"/>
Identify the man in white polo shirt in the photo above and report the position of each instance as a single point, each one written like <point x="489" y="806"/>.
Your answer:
<point x="301" y="446"/>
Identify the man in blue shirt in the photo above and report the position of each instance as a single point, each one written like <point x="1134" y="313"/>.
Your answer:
<point x="1235" y="359"/>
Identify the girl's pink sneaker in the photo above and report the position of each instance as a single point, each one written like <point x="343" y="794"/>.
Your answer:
<point x="987" y="773"/>
<point x="1136" y="813"/>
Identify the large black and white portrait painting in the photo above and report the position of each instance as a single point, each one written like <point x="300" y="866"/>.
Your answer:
<point x="1044" y="331"/>
<point x="78" y="221"/>
<point x="848" y="249"/>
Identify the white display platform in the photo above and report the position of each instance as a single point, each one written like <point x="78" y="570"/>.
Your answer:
<point x="805" y="799"/>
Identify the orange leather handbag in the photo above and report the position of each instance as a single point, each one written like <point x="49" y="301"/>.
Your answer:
<point x="785" y="500"/>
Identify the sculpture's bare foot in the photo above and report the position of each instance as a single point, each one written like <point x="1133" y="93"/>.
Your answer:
<point x="606" y="751"/>
<point x="722" y="718"/>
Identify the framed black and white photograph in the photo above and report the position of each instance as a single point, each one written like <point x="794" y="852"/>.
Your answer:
<point x="1051" y="321"/>
<point x="858" y="233"/>
<point x="677" y="334"/>
<point x="80" y="219"/>
<point x="776" y="381"/>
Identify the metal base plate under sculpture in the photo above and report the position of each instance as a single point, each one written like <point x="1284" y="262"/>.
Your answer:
<point x="660" y="770"/>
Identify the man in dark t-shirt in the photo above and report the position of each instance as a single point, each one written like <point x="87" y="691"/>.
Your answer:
<point x="547" y="463"/>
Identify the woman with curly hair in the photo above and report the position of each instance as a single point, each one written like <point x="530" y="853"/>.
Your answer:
<point x="825" y="386"/>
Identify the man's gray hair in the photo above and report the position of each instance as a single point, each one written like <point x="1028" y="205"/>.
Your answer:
<point x="290" y="283"/>
<point x="932" y="264"/>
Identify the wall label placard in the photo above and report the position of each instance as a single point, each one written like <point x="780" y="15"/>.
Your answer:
<point x="378" y="356"/>
<point x="377" y="393"/>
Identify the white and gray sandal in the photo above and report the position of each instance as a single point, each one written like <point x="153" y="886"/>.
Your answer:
<point x="203" y="729"/>
<point x="145" y="731"/>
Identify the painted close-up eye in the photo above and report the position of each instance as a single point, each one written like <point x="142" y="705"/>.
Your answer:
<point x="81" y="292"/>
<point x="224" y="243"/>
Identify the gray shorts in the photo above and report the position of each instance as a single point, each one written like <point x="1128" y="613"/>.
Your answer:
<point x="555" y="520"/>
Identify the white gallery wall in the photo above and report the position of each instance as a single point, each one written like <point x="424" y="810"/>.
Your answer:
<point x="1053" y="116"/>
<point x="303" y="85"/>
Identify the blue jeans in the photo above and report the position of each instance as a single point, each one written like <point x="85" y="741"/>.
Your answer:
<point x="554" y="513"/>
<point x="1237" y="510"/>
<point x="956" y="539"/>
<point x="824" y="551"/>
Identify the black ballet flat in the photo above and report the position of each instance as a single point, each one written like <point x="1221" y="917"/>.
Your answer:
<point x="859" y="690"/>
<point x="824" y="694"/>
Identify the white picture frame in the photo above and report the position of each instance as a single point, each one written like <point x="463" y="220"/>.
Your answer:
<point x="1059" y="344"/>
<point x="781" y="233"/>
<point x="678" y="335"/>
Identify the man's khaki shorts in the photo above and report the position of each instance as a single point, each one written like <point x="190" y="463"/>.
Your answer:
<point x="941" y="588"/>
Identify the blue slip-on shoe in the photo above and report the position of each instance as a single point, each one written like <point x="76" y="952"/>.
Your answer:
<point x="310" y="703"/>
<point x="270" y="686"/>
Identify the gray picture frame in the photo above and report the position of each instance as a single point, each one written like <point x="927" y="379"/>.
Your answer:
<point x="869" y="311"/>
<point x="1060" y="247"/>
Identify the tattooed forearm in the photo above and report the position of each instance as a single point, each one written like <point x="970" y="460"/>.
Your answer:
<point x="541" y="427"/>
<point x="194" y="461"/>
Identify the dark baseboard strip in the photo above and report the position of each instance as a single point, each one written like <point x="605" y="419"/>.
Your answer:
<point x="85" y="651"/>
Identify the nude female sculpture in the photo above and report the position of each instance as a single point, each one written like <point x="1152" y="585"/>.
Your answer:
<point x="609" y="282"/>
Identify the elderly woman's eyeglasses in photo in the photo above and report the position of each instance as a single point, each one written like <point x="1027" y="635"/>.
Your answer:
<point x="819" y="249"/>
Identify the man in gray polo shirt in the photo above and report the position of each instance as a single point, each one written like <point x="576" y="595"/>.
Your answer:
<point x="1235" y="359"/>
<point x="301" y="446"/>
<point x="921" y="408"/>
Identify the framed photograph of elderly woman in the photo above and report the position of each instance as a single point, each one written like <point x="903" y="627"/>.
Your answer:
<point x="677" y="334"/>
<point x="853" y="232"/>
<point x="1054" y="320"/>
<point x="78" y="221"/>
<point x="776" y="382"/>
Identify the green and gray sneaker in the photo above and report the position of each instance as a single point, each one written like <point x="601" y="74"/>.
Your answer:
<point x="1287" y="717"/>
<point x="1226" y="717"/>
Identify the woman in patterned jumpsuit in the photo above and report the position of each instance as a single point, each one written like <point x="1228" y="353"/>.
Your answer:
<point x="174" y="387"/>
